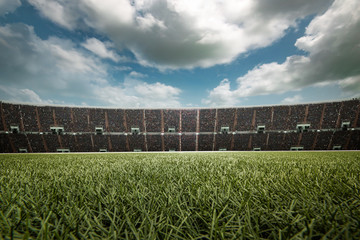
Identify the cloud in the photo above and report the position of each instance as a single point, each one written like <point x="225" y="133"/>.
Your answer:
<point x="101" y="49"/>
<point x="22" y="95"/>
<point x="221" y="96"/>
<point x="135" y="74"/>
<point x="7" y="6"/>
<point x="52" y="65"/>
<point x="333" y="46"/>
<point x="292" y="100"/>
<point x="55" y="11"/>
<point x="173" y="34"/>
<point x="56" y="69"/>
<point x="135" y="93"/>
<point x="351" y="86"/>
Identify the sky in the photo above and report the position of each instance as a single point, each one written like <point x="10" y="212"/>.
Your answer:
<point x="179" y="53"/>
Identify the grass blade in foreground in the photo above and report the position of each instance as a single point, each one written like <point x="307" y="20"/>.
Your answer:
<point x="250" y="195"/>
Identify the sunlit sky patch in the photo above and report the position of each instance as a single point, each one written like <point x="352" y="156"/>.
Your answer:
<point x="179" y="53"/>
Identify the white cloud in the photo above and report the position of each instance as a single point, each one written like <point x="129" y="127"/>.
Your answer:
<point x="135" y="93"/>
<point x="292" y="100"/>
<point x="351" y="86"/>
<point x="22" y="95"/>
<point x="221" y="96"/>
<point x="333" y="47"/>
<point x="172" y="34"/>
<point x="56" y="11"/>
<point x="101" y="49"/>
<point x="123" y="68"/>
<point x="59" y="70"/>
<point x="135" y="74"/>
<point x="7" y="6"/>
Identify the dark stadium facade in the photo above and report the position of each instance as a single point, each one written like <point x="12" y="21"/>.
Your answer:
<point x="314" y="126"/>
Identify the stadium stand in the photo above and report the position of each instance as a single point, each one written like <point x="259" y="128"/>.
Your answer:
<point x="225" y="118"/>
<point x="245" y="119"/>
<point x="153" y="121"/>
<point x="206" y="142"/>
<point x="297" y="115"/>
<point x="63" y="118"/>
<point x="280" y="118"/>
<point x="115" y="119"/>
<point x="155" y="142"/>
<point x="207" y="120"/>
<point x="314" y="126"/>
<point x="188" y="142"/>
<point x="223" y="142"/>
<point x="80" y="120"/>
<point x="171" y="120"/>
<point x="134" y="119"/>
<point x="29" y="118"/>
<point x="119" y="143"/>
<point x="188" y="120"/>
<point x="171" y="142"/>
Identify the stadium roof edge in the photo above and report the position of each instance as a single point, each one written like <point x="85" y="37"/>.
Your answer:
<point x="173" y="108"/>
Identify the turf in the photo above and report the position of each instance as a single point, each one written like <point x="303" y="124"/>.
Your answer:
<point x="239" y="195"/>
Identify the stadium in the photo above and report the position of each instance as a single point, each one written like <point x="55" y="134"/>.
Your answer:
<point x="268" y="192"/>
<point x="317" y="126"/>
<point x="179" y="119"/>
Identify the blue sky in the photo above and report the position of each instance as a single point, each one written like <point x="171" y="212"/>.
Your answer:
<point x="179" y="53"/>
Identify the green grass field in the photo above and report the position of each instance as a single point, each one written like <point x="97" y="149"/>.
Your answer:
<point x="244" y="195"/>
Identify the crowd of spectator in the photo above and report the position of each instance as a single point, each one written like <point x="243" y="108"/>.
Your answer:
<point x="314" y="115"/>
<point x="331" y="115"/>
<point x="11" y="113"/>
<point x="223" y="141"/>
<point x="115" y="120"/>
<point x="28" y="114"/>
<point x="154" y="142"/>
<point x="188" y="142"/>
<point x="84" y="142"/>
<point x="19" y="141"/>
<point x="171" y="142"/>
<point x="97" y="118"/>
<point x="244" y="119"/>
<point x="69" y="142"/>
<point x="205" y="142"/>
<point x="241" y="142"/>
<point x="340" y="138"/>
<point x="323" y="140"/>
<point x="291" y="139"/>
<point x="84" y="120"/>
<point x="171" y="119"/>
<point x="5" y="143"/>
<point x="37" y="142"/>
<point x="259" y="141"/>
<point x="307" y="140"/>
<point x="297" y="115"/>
<point x="280" y="118"/>
<point x="225" y="118"/>
<point x="263" y="116"/>
<point x="63" y="118"/>
<point x="136" y="142"/>
<point x="134" y="118"/>
<point x="207" y="120"/>
<point x="80" y="120"/>
<point x="153" y="120"/>
<point x="52" y="142"/>
<point x="354" y="142"/>
<point x="348" y="112"/>
<point x="1" y="118"/>
<point x="118" y="143"/>
<point x="46" y="118"/>
<point x="188" y="120"/>
<point x="100" y="142"/>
